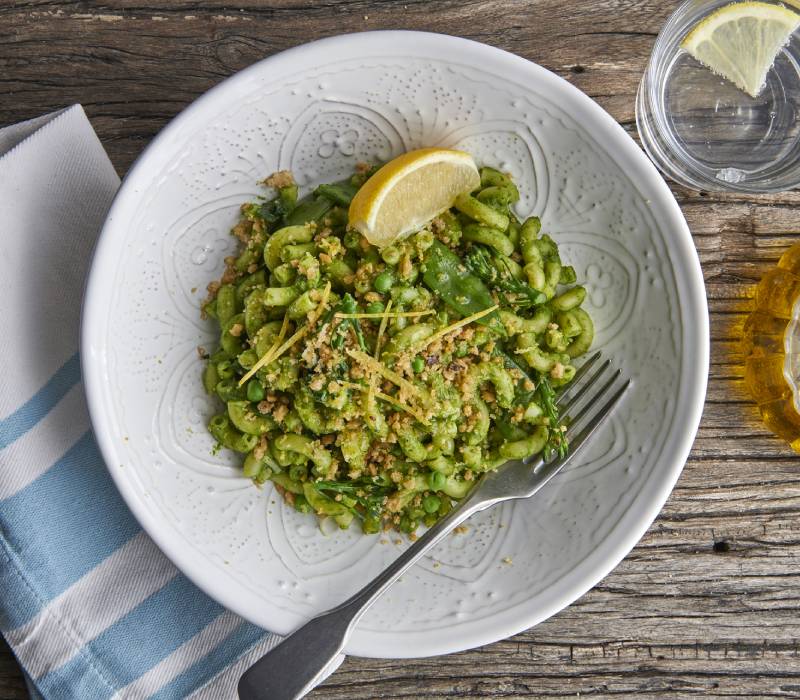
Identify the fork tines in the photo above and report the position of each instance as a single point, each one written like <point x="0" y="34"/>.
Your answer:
<point x="592" y="413"/>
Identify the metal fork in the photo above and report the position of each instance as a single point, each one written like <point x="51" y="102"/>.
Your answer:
<point x="296" y="665"/>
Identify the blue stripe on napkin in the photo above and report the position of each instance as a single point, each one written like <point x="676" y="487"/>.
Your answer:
<point x="143" y="637"/>
<point x="66" y="521"/>
<point x="32" y="411"/>
<point x="237" y="643"/>
<point x="16" y="589"/>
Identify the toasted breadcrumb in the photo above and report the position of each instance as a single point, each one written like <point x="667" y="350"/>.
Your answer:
<point x="317" y="383"/>
<point x="283" y="178"/>
<point x="280" y="412"/>
<point x="242" y="230"/>
<point x="230" y="274"/>
<point x="261" y="448"/>
<point x="404" y="268"/>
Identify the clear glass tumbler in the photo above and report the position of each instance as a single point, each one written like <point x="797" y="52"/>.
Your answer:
<point x="704" y="132"/>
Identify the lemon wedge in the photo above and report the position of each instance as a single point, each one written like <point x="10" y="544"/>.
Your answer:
<point x="740" y="41"/>
<point x="409" y="191"/>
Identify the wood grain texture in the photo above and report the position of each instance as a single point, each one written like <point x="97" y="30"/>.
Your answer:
<point x="708" y="603"/>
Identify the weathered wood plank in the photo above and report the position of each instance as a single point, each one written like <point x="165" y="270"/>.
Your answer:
<point x="707" y="603"/>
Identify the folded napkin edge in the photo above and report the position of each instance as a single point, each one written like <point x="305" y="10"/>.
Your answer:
<point x="37" y="125"/>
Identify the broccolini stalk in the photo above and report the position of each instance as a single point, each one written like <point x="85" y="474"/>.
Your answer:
<point x="557" y="440"/>
<point x="367" y="494"/>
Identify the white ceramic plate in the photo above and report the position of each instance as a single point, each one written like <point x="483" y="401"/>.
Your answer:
<point x="317" y="110"/>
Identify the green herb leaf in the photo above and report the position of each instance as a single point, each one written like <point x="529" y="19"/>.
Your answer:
<point x="273" y="211"/>
<point x="497" y="274"/>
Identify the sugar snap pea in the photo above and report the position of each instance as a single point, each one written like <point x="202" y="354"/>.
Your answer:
<point x="446" y="275"/>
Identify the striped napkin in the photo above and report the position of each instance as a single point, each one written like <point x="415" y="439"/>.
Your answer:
<point x="90" y="606"/>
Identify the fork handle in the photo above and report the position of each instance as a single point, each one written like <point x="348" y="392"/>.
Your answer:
<point x="295" y="666"/>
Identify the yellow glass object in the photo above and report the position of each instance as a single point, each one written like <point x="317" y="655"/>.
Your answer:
<point x="771" y="347"/>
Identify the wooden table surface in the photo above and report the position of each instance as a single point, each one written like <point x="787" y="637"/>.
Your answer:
<point x="708" y="603"/>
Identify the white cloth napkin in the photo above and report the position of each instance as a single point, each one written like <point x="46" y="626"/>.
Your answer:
<point x="90" y="606"/>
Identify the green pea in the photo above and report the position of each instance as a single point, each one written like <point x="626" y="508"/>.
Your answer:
<point x="255" y="392"/>
<point x="383" y="282"/>
<point x="431" y="503"/>
<point x="436" y="480"/>
<point x="418" y="364"/>
<point x="375" y="307"/>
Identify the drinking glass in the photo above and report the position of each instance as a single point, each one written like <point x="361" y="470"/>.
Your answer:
<point x="707" y="134"/>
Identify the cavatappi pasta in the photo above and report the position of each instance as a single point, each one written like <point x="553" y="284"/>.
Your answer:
<point x="377" y="385"/>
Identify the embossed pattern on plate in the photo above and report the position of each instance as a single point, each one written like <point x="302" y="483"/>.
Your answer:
<point x="319" y="110"/>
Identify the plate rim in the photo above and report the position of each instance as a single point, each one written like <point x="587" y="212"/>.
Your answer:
<point x="514" y="619"/>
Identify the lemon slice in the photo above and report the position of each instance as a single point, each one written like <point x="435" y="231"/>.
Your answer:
<point x="740" y="41"/>
<point x="409" y="191"/>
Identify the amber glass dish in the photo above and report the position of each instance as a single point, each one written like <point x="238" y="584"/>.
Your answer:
<point x="771" y="348"/>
